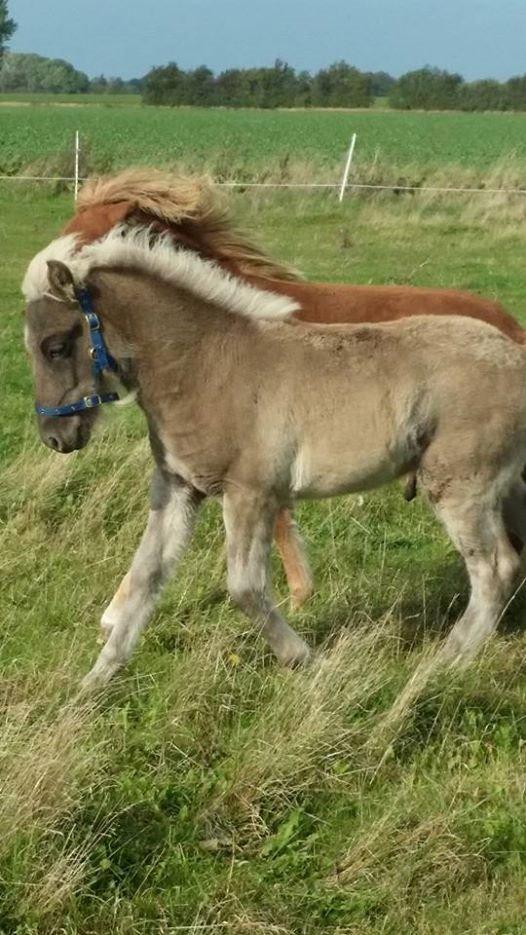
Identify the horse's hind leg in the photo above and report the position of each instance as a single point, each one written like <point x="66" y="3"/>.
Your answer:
<point x="290" y="547"/>
<point x="249" y="522"/>
<point x="474" y="521"/>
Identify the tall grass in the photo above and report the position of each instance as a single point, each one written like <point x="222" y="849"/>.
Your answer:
<point x="207" y="790"/>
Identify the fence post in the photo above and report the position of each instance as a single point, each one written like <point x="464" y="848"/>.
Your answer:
<point x="77" y="153"/>
<point x="346" y="171"/>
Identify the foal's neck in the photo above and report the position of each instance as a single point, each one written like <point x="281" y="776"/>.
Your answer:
<point x="166" y="336"/>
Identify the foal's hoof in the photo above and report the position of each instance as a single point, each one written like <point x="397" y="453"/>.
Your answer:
<point x="457" y="655"/>
<point x="295" y="655"/>
<point x="90" y="684"/>
<point x="101" y="673"/>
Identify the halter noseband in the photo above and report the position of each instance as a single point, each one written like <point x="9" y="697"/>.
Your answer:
<point x="101" y="360"/>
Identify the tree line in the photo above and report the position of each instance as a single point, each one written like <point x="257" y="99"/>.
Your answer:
<point x="21" y="71"/>
<point x="434" y="89"/>
<point x="339" y="85"/>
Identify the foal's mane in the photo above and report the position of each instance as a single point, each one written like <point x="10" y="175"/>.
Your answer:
<point x="189" y="206"/>
<point x="135" y="249"/>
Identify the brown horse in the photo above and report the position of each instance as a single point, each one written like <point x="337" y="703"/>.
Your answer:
<point x="189" y="209"/>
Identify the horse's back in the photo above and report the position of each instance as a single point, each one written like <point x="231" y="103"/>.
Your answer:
<point x="340" y="303"/>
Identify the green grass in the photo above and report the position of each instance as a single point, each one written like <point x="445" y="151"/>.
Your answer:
<point x="249" y="142"/>
<point x="208" y="791"/>
<point x="29" y="97"/>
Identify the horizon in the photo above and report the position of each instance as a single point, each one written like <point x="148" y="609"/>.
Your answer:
<point x="469" y="38"/>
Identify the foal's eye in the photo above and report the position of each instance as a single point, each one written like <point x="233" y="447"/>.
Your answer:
<point x="58" y="350"/>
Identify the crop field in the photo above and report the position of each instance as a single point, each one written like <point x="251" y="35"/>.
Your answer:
<point x="206" y="790"/>
<point x="250" y="143"/>
<point x="44" y="99"/>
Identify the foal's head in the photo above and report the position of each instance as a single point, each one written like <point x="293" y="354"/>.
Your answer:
<point x="64" y="336"/>
<point x="59" y="349"/>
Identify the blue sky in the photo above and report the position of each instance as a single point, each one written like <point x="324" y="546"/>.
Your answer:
<point x="478" y="38"/>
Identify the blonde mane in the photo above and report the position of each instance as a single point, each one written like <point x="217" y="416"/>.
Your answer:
<point x="184" y="269"/>
<point x="194" y="205"/>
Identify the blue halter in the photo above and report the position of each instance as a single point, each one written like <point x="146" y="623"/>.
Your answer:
<point x="101" y="360"/>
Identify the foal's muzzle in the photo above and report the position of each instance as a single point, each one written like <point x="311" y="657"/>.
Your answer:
<point x="65" y="434"/>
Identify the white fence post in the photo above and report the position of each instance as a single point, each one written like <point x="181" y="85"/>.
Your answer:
<point x="346" y="171"/>
<point x="77" y="153"/>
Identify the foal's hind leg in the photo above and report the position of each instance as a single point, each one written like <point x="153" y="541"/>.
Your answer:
<point x="295" y="564"/>
<point x="475" y="524"/>
<point x="249" y="521"/>
<point x="170" y="524"/>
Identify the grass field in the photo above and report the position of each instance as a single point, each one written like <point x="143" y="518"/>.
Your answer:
<point x="258" y="144"/>
<point x="207" y="791"/>
<point x="74" y="100"/>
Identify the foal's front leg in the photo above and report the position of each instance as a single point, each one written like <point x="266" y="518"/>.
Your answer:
<point x="174" y="505"/>
<point x="249" y="523"/>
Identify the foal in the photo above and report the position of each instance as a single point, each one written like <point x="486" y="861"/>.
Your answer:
<point x="192" y="212"/>
<point x="247" y="405"/>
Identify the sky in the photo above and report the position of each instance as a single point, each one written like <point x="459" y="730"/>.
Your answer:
<point x="478" y="38"/>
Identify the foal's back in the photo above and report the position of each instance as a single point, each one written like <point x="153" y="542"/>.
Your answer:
<point x="377" y="396"/>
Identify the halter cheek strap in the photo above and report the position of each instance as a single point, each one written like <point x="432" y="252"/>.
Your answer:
<point x="101" y="360"/>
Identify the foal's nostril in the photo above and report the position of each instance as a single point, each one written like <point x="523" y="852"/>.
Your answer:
<point x="53" y="442"/>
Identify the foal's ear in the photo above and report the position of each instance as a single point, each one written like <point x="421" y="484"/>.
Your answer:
<point x="61" y="282"/>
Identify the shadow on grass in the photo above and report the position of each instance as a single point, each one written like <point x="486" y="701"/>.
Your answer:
<point x="427" y="609"/>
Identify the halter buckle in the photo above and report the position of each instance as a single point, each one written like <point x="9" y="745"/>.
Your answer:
<point x="91" y="401"/>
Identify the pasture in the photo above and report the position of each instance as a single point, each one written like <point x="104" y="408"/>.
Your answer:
<point x="207" y="790"/>
<point x="247" y="144"/>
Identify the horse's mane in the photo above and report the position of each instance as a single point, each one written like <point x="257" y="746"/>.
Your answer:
<point x="190" y="205"/>
<point x="136" y="250"/>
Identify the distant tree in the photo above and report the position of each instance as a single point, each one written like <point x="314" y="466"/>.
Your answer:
<point x="116" y="86"/>
<point x="277" y="85"/>
<point x="16" y="73"/>
<point x="428" y="89"/>
<point x="99" y="84"/>
<point x="7" y="27"/>
<point x="381" y="83"/>
<point x="29" y="72"/>
<point x="483" y="95"/>
<point x="341" y="85"/>
<point x="102" y="85"/>
<point x="199" y="87"/>
<point x="231" y="88"/>
<point x="165" y="85"/>
<point x="303" y="96"/>
<point x="135" y="85"/>
<point x="515" y="93"/>
<point x="60" y="77"/>
<point x="258" y="87"/>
